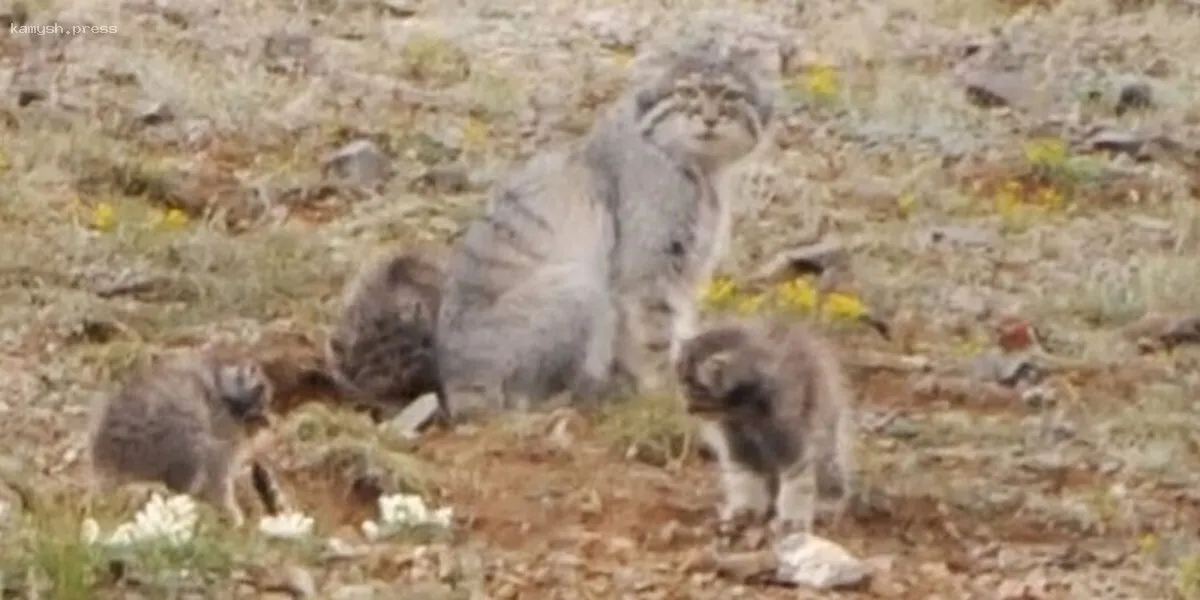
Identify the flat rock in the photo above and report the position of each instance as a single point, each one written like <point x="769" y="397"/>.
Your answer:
<point x="360" y="163"/>
<point x="415" y="416"/>
<point x="818" y="563"/>
<point x="990" y="88"/>
<point x="154" y="113"/>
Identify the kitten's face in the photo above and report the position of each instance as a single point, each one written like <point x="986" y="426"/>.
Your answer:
<point x="705" y="109"/>
<point x="706" y="385"/>
<point x="246" y="391"/>
<point x="718" y="374"/>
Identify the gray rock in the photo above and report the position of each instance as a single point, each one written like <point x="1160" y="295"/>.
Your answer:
<point x="401" y="9"/>
<point x="415" y="416"/>
<point x="154" y="113"/>
<point x="445" y="178"/>
<point x="359" y="163"/>
<point x="298" y="582"/>
<point x="995" y="88"/>
<point x="818" y="563"/>
<point x="1135" y="95"/>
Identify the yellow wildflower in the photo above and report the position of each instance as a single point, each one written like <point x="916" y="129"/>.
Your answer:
<point x="1050" y="197"/>
<point x="1148" y="543"/>
<point x="821" y="81"/>
<point x="798" y="293"/>
<point x="750" y="304"/>
<point x="1046" y="152"/>
<point x="839" y="305"/>
<point x="718" y="291"/>
<point x="172" y="219"/>
<point x="623" y="57"/>
<point x="474" y="133"/>
<point x="906" y="204"/>
<point x="1008" y="198"/>
<point x="104" y="216"/>
<point x="5" y="164"/>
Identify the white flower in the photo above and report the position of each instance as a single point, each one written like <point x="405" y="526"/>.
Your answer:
<point x="89" y="531"/>
<point x="172" y="520"/>
<point x="291" y="525"/>
<point x="411" y="510"/>
<point x="443" y="517"/>
<point x="370" y="530"/>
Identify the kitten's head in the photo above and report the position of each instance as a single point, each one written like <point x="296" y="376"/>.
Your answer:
<point x="719" y="371"/>
<point x="246" y="391"/>
<point x="387" y="355"/>
<point x="703" y="103"/>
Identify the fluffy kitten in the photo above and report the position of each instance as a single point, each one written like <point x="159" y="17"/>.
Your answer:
<point x="188" y="422"/>
<point x="381" y="350"/>
<point x="776" y="412"/>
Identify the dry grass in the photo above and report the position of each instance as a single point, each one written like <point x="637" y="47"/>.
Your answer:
<point x="127" y="237"/>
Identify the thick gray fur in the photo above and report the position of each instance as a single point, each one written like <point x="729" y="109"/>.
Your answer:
<point x="187" y="422"/>
<point x="381" y="348"/>
<point x="589" y="257"/>
<point x="776" y="410"/>
<point x="673" y="225"/>
<point x="526" y="312"/>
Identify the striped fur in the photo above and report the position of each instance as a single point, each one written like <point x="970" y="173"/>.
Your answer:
<point x="381" y="349"/>
<point x="693" y="113"/>
<point x="526" y="312"/>
<point x="589" y="257"/>
<point x="776" y="412"/>
<point x="189" y="422"/>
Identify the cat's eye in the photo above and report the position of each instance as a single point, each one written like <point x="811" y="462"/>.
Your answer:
<point x="687" y="92"/>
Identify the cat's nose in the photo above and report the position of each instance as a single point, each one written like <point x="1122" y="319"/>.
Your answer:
<point x="709" y="122"/>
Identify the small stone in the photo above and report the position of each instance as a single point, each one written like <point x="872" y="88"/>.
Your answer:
<point x="402" y="9"/>
<point x="445" y="178"/>
<point x="1009" y="371"/>
<point x="815" y="258"/>
<point x="1117" y="142"/>
<point x="298" y="582"/>
<point x="154" y="113"/>
<point x="284" y="45"/>
<point x="818" y="563"/>
<point x="360" y="163"/>
<point x="337" y="549"/>
<point x="1134" y="96"/>
<point x="26" y="97"/>
<point x="902" y="428"/>
<point x="957" y="236"/>
<point x="415" y="416"/>
<point x="995" y="88"/>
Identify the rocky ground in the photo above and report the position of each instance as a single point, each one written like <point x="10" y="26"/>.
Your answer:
<point x="1011" y="186"/>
